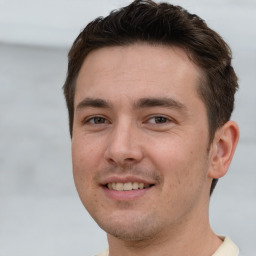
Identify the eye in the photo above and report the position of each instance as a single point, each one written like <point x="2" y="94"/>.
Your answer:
<point x="158" y="120"/>
<point x="96" y="120"/>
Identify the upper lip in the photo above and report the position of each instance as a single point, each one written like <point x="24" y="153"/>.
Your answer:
<point x="126" y="179"/>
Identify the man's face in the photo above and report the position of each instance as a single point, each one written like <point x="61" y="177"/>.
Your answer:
<point x="140" y="139"/>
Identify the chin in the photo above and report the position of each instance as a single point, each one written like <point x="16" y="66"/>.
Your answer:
<point x="133" y="228"/>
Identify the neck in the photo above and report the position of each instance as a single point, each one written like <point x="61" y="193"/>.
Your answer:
<point x="192" y="237"/>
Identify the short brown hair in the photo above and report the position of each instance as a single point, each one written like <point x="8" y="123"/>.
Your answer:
<point x="162" y="24"/>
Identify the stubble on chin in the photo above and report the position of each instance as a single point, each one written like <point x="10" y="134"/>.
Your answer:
<point x="134" y="229"/>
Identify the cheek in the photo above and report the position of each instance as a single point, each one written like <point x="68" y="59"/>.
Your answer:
<point x="85" y="152"/>
<point x="84" y="159"/>
<point x="180" y="161"/>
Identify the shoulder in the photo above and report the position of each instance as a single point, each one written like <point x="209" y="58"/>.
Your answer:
<point x="227" y="248"/>
<point x="103" y="253"/>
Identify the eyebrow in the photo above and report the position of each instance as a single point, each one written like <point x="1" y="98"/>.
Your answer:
<point x="91" y="102"/>
<point x="160" y="102"/>
<point x="141" y="103"/>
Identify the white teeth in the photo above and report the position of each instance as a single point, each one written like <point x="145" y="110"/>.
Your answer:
<point x="119" y="186"/>
<point x="135" y="185"/>
<point x="126" y="186"/>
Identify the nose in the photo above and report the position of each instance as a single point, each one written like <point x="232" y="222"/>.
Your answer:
<point x="124" y="145"/>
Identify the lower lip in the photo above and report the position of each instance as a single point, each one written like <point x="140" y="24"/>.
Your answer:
<point x="126" y="195"/>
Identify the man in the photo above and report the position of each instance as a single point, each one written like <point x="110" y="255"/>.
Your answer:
<point x="150" y="91"/>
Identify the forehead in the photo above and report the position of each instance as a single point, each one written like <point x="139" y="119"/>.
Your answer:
<point x="137" y="69"/>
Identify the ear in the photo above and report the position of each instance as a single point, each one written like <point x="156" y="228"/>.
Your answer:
<point x="223" y="148"/>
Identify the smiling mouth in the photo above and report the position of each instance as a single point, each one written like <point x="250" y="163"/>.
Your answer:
<point x="128" y="186"/>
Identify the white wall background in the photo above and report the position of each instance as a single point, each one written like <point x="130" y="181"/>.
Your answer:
<point x="46" y="22"/>
<point x="58" y="22"/>
<point x="40" y="213"/>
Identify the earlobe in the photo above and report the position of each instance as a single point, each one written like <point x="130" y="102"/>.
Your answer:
<point x="223" y="148"/>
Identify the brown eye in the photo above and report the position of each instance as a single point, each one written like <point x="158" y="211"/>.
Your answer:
<point x="158" y="120"/>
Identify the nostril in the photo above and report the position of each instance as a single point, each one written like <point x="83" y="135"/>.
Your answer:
<point x="130" y="159"/>
<point x="121" y="154"/>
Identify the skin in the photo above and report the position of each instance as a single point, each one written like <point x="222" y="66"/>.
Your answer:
<point x="138" y="116"/>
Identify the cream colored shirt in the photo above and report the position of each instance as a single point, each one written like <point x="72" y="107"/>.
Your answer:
<point x="227" y="248"/>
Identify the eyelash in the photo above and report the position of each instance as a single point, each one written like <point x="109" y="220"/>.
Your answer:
<point x="89" y="119"/>
<point x="159" y="117"/>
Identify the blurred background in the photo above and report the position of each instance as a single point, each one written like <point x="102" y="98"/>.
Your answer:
<point x="40" y="212"/>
